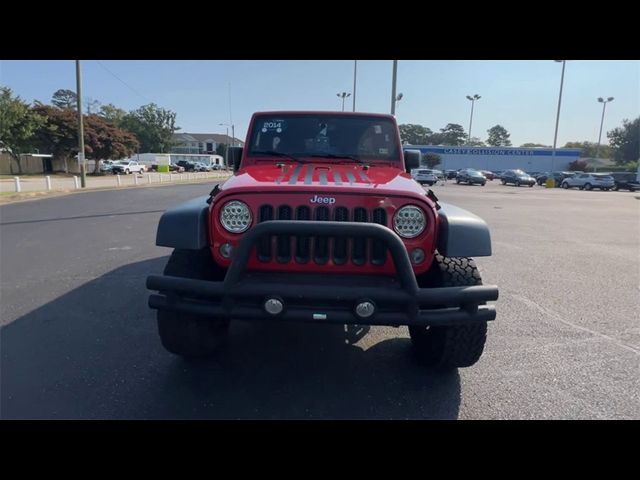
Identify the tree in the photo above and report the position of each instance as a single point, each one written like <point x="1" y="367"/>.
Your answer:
<point x="65" y="99"/>
<point x="153" y="126"/>
<point x="104" y="140"/>
<point x="112" y="114"/>
<point x="625" y="141"/>
<point x="498" y="137"/>
<point x="453" y="134"/>
<point x="18" y="124"/>
<point x="414" y="134"/>
<point x="92" y="105"/>
<point x="476" y="142"/>
<point x="430" y="160"/>
<point x="578" y="166"/>
<point x="534" y="145"/>
<point x="590" y="149"/>
<point x="59" y="135"/>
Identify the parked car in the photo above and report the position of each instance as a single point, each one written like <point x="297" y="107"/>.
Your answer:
<point x="589" y="181"/>
<point x="517" y="178"/>
<point x="106" y="166"/>
<point x="488" y="174"/>
<point x="450" y="174"/>
<point x="423" y="175"/>
<point x="187" y="165"/>
<point x="391" y="237"/>
<point x="127" y="167"/>
<point x="541" y="179"/>
<point x="470" y="176"/>
<point x="625" y="181"/>
<point x="201" y="167"/>
<point x="439" y="174"/>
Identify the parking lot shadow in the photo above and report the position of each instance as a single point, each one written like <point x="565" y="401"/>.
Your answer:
<point x="95" y="353"/>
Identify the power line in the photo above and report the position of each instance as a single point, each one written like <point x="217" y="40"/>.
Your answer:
<point x="125" y="83"/>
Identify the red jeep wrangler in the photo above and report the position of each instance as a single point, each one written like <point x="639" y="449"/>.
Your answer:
<point x="321" y="222"/>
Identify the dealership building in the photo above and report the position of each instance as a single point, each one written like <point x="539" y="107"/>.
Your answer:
<point x="499" y="158"/>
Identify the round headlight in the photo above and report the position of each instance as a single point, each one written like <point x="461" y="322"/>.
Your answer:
<point x="235" y="216"/>
<point x="409" y="221"/>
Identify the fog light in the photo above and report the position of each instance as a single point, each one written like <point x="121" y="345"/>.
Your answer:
<point x="226" y="249"/>
<point x="273" y="306"/>
<point x="417" y="255"/>
<point x="365" y="309"/>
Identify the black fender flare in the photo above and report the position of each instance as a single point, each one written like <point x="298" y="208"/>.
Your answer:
<point x="185" y="226"/>
<point x="461" y="233"/>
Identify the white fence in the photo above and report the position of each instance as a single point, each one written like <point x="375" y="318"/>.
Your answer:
<point x="62" y="183"/>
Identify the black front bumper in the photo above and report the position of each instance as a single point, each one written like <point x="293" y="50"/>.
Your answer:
<point x="324" y="298"/>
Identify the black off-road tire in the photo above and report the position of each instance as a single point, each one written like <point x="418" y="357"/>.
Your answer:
<point x="447" y="348"/>
<point x="192" y="336"/>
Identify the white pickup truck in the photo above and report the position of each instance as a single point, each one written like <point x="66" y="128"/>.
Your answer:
<point x="128" y="167"/>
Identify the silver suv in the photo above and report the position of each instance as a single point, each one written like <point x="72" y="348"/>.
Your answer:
<point x="589" y="181"/>
<point x="424" y="175"/>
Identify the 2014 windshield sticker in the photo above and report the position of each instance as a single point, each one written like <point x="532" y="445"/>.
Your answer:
<point x="274" y="126"/>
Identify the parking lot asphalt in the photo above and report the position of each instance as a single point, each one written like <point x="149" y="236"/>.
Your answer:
<point x="78" y="340"/>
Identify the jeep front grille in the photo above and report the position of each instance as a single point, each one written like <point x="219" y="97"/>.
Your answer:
<point x="321" y="248"/>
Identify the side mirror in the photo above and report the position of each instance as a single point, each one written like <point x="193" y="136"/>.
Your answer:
<point x="411" y="159"/>
<point x="235" y="156"/>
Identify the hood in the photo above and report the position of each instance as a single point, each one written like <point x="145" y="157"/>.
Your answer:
<point x="324" y="177"/>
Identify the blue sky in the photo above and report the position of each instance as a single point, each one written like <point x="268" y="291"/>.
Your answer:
<point x="520" y="95"/>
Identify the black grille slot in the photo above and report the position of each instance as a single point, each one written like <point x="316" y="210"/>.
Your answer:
<point x="264" y="245"/>
<point x="378" y="248"/>
<point x="303" y="243"/>
<point x="340" y="254"/>
<point x="321" y="248"/>
<point x="359" y="252"/>
<point x="283" y="242"/>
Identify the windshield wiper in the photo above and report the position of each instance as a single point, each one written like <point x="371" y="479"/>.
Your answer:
<point x="333" y="155"/>
<point x="277" y="154"/>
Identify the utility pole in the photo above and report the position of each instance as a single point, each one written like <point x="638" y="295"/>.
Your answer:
<point x="393" y="87"/>
<point x="604" y="105"/>
<point x="555" y="135"/>
<point x="473" y="101"/>
<point x="355" y="71"/>
<point x="81" y="160"/>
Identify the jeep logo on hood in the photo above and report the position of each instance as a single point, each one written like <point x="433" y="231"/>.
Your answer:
<point x="325" y="200"/>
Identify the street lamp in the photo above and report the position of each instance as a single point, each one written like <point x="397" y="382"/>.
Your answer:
<point x="604" y="106"/>
<point x="552" y="181"/>
<point x="233" y="134"/>
<point x="398" y="98"/>
<point x="473" y="101"/>
<point x="343" y="95"/>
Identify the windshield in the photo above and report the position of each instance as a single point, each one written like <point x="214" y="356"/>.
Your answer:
<point x="329" y="136"/>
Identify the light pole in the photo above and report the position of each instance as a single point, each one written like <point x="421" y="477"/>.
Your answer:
<point x="398" y="98"/>
<point x="393" y="87"/>
<point x="343" y="95"/>
<point x="473" y="101"/>
<point x="355" y="72"/>
<point x="83" y="173"/>
<point x="233" y="132"/>
<point x="233" y="140"/>
<point x="604" y="106"/>
<point x="555" y="135"/>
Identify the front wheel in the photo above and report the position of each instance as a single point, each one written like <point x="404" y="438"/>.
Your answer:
<point x="446" y="348"/>
<point x="531" y="185"/>
<point x="588" y="186"/>
<point x="127" y="172"/>
<point x="565" y="185"/>
<point x="504" y="182"/>
<point x="517" y="183"/>
<point x="458" y="181"/>
<point x="186" y="334"/>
